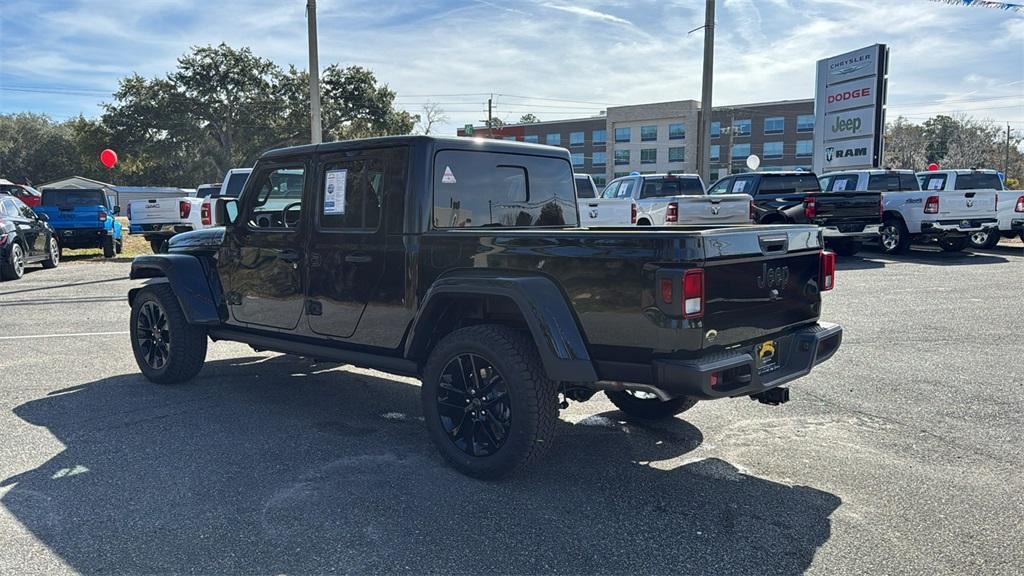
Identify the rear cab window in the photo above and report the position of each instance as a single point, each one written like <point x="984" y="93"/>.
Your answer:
<point x="669" y="186"/>
<point x="475" y="189"/>
<point x="72" y="198"/>
<point x="788" y="184"/>
<point x="979" y="180"/>
<point x="884" y="183"/>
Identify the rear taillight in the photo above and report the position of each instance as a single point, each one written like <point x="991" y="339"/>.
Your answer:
<point x="204" y="213"/>
<point x="632" y="213"/>
<point x="101" y="216"/>
<point x="184" y="208"/>
<point x="809" y="209"/>
<point x="1020" y="205"/>
<point x="931" y="206"/>
<point x="672" y="212"/>
<point x="666" y="290"/>
<point x="693" y="293"/>
<point x="827" y="280"/>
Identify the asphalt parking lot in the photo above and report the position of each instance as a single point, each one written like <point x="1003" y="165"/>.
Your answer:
<point x="902" y="455"/>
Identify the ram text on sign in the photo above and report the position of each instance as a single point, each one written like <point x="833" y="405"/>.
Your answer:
<point x="851" y="95"/>
<point x="852" y="65"/>
<point x="849" y="123"/>
<point x="846" y="153"/>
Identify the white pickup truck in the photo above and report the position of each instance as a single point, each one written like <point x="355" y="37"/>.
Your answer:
<point x="662" y="200"/>
<point x="948" y="212"/>
<point x="1009" y="207"/>
<point x="157" y="219"/>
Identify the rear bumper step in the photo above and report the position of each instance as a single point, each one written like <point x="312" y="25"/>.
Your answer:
<point x="734" y="372"/>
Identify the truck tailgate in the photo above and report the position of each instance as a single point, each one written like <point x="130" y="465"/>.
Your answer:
<point x="71" y="217"/>
<point x="759" y="283"/>
<point x="717" y="209"/>
<point x="963" y="204"/>
<point x="834" y="208"/>
<point x="155" y="211"/>
<point x="605" y="211"/>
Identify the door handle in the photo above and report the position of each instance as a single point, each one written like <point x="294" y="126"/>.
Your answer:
<point x="592" y="205"/>
<point x="288" y="256"/>
<point x="358" y="258"/>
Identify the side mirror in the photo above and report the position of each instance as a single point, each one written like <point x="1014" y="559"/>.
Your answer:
<point x="117" y="210"/>
<point x="227" y="212"/>
<point x="43" y="217"/>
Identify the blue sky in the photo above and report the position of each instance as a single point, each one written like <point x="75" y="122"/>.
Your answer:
<point x="555" y="58"/>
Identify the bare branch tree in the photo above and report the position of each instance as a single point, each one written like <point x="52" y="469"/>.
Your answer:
<point x="432" y="115"/>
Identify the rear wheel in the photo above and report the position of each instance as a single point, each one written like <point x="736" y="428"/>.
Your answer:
<point x="643" y="223"/>
<point x="648" y="406"/>
<point x="846" y="247"/>
<point x="108" y="246"/>
<point x="953" y="244"/>
<point x="53" y="254"/>
<point x="156" y="246"/>
<point x="13" y="267"/>
<point x="488" y="404"/>
<point x="984" y="239"/>
<point x="894" y="237"/>
<point x="118" y="246"/>
<point x="167" y="348"/>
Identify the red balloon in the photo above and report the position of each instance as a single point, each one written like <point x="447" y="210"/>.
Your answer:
<point x="108" y="158"/>
<point x="933" y="167"/>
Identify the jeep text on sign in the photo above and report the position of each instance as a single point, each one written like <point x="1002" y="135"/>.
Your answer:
<point x="846" y="153"/>
<point x="850" y="95"/>
<point x="849" y="123"/>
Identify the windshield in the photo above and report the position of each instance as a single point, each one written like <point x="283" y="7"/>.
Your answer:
<point x="235" y="184"/>
<point x="68" y="198"/>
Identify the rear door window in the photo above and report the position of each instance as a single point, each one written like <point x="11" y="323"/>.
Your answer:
<point x="485" y="189"/>
<point x="742" y="185"/>
<point x="933" y="182"/>
<point x="8" y="208"/>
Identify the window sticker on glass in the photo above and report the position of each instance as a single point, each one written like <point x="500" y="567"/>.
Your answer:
<point x="840" y="185"/>
<point x="334" y="191"/>
<point x="935" y="184"/>
<point x="449" y="177"/>
<point x="739" y="186"/>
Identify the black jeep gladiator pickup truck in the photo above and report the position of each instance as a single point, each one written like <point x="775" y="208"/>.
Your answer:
<point x="847" y="218"/>
<point x="461" y="262"/>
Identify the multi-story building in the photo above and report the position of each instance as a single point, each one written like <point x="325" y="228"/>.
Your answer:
<point x="661" y="138"/>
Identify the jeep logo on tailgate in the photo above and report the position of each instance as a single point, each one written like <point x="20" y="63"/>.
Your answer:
<point x="773" y="277"/>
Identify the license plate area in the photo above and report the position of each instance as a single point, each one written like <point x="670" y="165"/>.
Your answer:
<point x="767" y="356"/>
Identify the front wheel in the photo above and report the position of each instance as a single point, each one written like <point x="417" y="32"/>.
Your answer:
<point x="893" y="237"/>
<point x="487" y="401"/>
<point x="647" y="406"/>
<point x="53" y="254"/>
<point x="953" y="244"/>
<point x="167" y="348"/>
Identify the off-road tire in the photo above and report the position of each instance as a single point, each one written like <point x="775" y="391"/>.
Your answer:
<point x="118" y="246"/>
<point x="108" y="246"/>
<point x="846" y="247"/>
<point x="649" y="409"/>
<point x="53" y="254"/>
<point x="953" y="244"/>
<point x="10" y="269"/>
<point x="533" y="399"/>
<point x="902" y="241"/>
<point x="187" y="350"/>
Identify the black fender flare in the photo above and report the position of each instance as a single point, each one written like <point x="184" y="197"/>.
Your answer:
<point x="547" y="313"/>
<point x="187" y="277"/>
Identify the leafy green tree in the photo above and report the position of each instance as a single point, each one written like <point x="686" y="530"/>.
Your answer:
<point x="35" y="149"/>
<point x="528" y="118"/>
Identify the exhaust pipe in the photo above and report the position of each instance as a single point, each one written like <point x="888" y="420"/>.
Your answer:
<point x="772" y="397"/>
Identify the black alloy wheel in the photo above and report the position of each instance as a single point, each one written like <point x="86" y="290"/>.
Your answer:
<point x="153" y="335"/>
<point x="474" y="405"/>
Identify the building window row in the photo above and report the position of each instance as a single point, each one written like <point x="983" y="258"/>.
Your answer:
<point x="623" y="134"/>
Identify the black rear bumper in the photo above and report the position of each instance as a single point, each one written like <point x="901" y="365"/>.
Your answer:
<point x="81" y="237"/>
<point x="734" y="372"/>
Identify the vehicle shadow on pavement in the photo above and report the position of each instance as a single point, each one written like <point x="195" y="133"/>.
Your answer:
<point x="276" y="465"/>
<point x="932" y="257"/>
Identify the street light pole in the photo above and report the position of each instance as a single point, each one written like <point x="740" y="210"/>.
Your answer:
<point x="705" y="97"/>
<point x="316" y="132"/>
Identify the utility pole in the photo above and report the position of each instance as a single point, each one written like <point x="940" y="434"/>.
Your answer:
<point x="316" y="132"/>
<point x="732" y="134"/>
<point x="1006" y="163"/>
<point x="490" y="122"/>
<point x="704" y="138"/>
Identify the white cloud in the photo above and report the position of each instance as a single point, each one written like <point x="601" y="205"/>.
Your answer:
<point x="586" y="12"/>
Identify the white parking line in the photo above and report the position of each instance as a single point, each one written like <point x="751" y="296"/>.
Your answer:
<point x="26" y="337"/>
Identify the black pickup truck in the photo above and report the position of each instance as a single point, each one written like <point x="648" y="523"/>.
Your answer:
<point x="847" y="218"/>
<point x="461" y="263"/>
